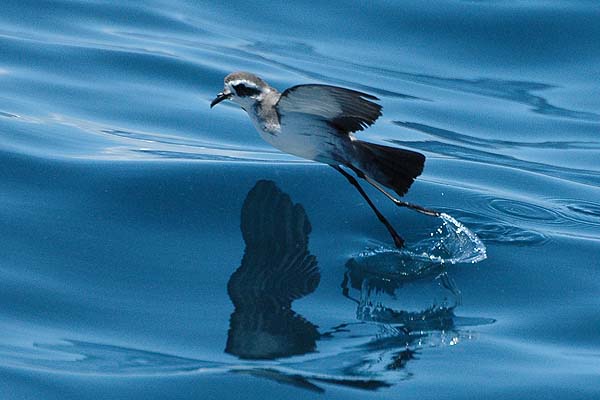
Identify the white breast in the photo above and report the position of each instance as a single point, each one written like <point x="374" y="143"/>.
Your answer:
<point x="304" y="137"/>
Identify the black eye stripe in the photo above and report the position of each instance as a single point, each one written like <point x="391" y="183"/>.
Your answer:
<point x="244" y="91"/>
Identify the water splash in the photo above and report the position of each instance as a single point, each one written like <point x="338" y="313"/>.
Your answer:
<point x="451" y="242"/>
<point x="428" y="293"/>
<point x="410" y="298"/>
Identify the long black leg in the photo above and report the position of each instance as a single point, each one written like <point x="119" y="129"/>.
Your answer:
<point x="397" y="202"/>
<point x="398" y="241"/>
<point x="346" y="289"/>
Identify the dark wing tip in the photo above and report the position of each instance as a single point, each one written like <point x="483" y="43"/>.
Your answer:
<point x="358" y="111"/>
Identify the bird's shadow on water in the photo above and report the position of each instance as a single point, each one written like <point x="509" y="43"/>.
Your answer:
<point x="277" y="268"/>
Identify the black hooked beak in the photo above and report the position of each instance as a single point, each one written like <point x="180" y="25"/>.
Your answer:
<point x="220" y="97"/>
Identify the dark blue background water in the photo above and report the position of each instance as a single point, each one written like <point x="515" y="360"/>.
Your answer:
<point x="121" y="195"/>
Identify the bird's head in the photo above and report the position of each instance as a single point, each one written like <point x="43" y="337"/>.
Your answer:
<point x="244" y="89"/>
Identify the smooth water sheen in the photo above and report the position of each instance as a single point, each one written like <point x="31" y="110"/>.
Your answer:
<point x="154" y="248"/>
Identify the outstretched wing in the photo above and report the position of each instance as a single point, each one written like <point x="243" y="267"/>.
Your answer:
<point x="345" y="110"/>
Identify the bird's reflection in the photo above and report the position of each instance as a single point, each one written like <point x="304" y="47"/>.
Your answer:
<point x="421" y="299"/>
<point x="414" y="309"/>
<point x="277" y="268"/>
<point x="404" y="305"/>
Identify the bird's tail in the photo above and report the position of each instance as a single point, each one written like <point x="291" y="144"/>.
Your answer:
<point x="392" y="167"/>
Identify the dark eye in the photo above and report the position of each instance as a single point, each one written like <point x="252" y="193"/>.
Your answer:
<point x="244" y="91"/>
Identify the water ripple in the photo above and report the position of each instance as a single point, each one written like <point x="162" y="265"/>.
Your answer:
<point x="100" y="359"/>
<point x="8" y="115"/>
<point x="527" y="222"/>
<point x="493" y="229"/>
<point x="522" y="92"/>
<point x="517" y="91"/>
<point x="525" y="211"/>
<point x="580" y="212"/>
<point x="482" y="153"/>
<point x="496" y="143"/>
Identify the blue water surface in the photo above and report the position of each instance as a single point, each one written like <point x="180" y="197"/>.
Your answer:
<point x="153" y="248"/>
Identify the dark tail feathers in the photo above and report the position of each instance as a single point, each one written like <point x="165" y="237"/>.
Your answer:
<point x="392" y="167"/>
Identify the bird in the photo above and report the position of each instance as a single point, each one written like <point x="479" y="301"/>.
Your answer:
<point x="317" y="122"/>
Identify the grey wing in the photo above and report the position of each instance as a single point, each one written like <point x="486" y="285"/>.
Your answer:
<point x="345" y="110"/>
